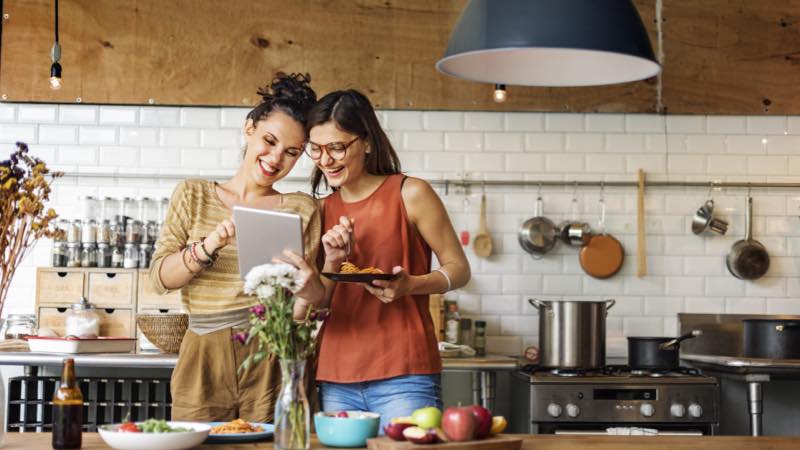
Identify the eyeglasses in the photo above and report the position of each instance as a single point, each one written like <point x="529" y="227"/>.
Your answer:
<point x="335" y="150"/>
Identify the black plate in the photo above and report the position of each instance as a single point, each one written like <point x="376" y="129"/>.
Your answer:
<point x="358" y="277"/>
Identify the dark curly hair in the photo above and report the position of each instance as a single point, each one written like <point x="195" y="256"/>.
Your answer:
<point x="290" y="94"/>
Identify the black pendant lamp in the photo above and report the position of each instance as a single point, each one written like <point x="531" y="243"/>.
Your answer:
<point x="549" y="43"/>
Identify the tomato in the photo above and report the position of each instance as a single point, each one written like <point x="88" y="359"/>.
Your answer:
<point x="129" y="427"/>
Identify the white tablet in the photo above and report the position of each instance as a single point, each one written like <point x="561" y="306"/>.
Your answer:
<point x="262" y="235"/>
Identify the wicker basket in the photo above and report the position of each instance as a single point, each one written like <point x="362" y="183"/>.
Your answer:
<point x="165" y="331"/>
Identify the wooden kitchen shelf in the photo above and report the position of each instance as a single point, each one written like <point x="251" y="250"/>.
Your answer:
<point x="118" y="295"/>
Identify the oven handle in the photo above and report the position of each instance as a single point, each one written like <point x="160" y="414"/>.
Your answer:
<point x="604" y="433"/>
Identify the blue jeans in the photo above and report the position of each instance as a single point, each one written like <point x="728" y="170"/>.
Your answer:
<point x="393" y="397"/>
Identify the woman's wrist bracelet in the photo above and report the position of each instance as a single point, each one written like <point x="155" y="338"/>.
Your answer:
<point x="185" y="264"/>
<point x="196" y="257"/>
<point x="212" y="256"/>
<point x="446" y="277"/>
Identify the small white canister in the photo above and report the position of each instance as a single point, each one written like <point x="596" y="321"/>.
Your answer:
<point x="82" y="320"/>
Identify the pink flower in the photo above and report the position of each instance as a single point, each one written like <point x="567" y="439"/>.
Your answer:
<point x="259" y="310"/>
<point x="240" y="337"/>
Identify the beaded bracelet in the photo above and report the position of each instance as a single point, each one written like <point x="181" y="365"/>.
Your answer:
<point x="193" y="252"/>
<point x="211" y="257"/>
<point x="185" y="264"/>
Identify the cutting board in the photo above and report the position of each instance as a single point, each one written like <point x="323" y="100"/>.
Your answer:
<point x="492" y="443"/>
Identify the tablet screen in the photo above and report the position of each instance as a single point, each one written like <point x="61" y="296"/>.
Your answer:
<point x="262" y="235"/>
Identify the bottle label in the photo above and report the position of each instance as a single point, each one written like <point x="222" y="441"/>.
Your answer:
<point x="452" y="331"/>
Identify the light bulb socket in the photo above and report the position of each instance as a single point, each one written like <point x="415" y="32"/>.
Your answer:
<point x="500" y="94"/>
<point x="55" y="52"/>
<point x="55" y="70"/>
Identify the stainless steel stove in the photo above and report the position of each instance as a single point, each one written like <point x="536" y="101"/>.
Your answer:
<point x="588" y="402"/>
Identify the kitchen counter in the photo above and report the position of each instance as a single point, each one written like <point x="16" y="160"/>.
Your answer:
<point x="164" y="361"/>
<point x="92" y="441"/>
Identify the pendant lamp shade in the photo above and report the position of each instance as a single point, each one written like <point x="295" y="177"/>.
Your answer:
<point x="549" y="43"/>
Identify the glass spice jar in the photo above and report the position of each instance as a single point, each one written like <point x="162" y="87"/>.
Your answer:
<point x="82" y="319"/>
<point x="131" y="257"/>
<point x="103" y="232"/>
<point x="73" y="254"/>
<point x="74" y="231"/>
<point x="145" y="254"/>
<point x="20" y="326"/>
<point x="116" y="234"/>
<point x="89" y="232"/>
<point x="89" y="255"/>
<point x="117" y="257"/>
<point x="58" y="254"/>
<point x="150" y="232"/>
<point x="103" y="255"/>
<point x="133" y="232"/>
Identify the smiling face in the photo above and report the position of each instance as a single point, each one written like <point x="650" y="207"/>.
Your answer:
<point x="274" y="145"/>
<point x="351" y="167"/>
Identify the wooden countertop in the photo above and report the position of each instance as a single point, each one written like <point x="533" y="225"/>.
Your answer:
<point x="92" y="441"/>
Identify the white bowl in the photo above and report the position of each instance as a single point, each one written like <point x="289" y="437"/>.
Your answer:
<point x="150" y="441"/>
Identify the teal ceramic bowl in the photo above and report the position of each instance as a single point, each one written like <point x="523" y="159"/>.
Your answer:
<point x="346" y="432"/>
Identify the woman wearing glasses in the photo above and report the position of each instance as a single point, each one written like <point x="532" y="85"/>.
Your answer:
<point x="197" y="254"/>
<point x="378" y="351"/>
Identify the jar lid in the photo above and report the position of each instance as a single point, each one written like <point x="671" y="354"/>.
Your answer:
<point x="82" y="305"/>
<point x="21" y="317"/>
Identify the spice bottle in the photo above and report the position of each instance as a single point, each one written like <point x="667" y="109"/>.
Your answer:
<point x="131" y="257"/>
<point x="103" y="255"/>
<point x="479" y="340"/>
<point x="59" y="254"/>
<point x="67" y="410"/>
<point x="466" y="332"/>
<point x="452" y="322"/>
<point x="145" y="253"/>
<point x="73" y="254"/>
<point x="117" y="257"/>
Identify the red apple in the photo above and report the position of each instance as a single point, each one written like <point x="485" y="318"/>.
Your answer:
<point x="343" y="414"/>
<point x="419" y="435"/>
<point x="458" y="424"/>
<point x="395" y="430"/>
<point x="483" y="421"/>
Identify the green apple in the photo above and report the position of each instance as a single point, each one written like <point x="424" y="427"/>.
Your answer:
<point x="428" y="417"/>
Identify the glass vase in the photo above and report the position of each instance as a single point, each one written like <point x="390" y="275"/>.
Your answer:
<point x="292" y="413"/>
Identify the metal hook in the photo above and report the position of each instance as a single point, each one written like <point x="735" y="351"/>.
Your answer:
<point x="575" y="191"/>
<point x="602" y="192"/>
<point x="483" y="187"/>
<point x="749" y="188"/>
<point x="446" y="187"/>
<point x="710" y="189"/>
<point x="539" y="190"/>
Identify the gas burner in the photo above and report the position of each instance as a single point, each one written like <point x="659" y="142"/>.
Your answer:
<point x="568" y="372"/>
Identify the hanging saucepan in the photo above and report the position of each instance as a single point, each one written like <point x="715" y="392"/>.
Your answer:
<point x="537" y="235"/>
<point x="748" y="258"/>
<point x="573" y="232"/>
<point x="656" y="353"/>
<point x="603" y="256"/>
<point x="772" y="338"/>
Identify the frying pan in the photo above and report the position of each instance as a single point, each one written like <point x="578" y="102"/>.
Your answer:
<point x="537" y="235"/>
<point x="748" y="258"/>
<point x="603" y="256"/>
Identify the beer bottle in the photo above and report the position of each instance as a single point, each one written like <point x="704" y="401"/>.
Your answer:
<point x="67" y="410"/>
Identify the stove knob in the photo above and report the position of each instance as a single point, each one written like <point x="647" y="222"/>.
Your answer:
<point x="647" y="409"/>
<point x="573" y="410"/>
<point x="677" y="410"/>
<point x="554" y="409"/>
<point x="695" y="410"/>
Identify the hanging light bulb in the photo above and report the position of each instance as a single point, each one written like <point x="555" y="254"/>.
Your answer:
<point x="55" y="68"/>
<point x="55" y="56"/>
<point x="500" y="94"/>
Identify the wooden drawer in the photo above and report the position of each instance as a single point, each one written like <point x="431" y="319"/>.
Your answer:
<point x="54" y="286"/>
<point x="111" y="288"/>
<point x="113" y="322"/>
<point x="149" y="299"/>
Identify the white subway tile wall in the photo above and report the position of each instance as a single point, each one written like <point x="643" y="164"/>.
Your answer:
<point x="687" y="273"/>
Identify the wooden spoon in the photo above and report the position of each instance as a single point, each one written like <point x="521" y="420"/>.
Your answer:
<point x="482" y="245"/>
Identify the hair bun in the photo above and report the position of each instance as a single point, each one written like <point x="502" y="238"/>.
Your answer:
<point x="293" y="88"/>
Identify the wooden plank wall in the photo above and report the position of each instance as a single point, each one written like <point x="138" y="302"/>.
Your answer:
<point x="721" y="56"/>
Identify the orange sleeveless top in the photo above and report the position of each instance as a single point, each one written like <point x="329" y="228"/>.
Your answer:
<point x="365" y="339"/>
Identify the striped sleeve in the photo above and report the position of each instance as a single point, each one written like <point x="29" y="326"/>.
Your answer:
<point x="174" y="234"/>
